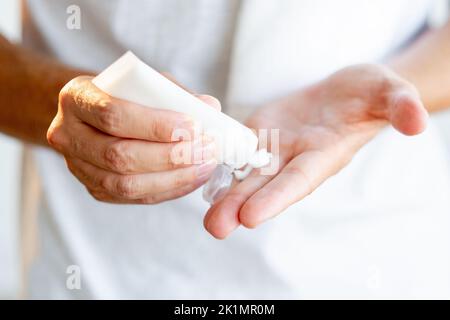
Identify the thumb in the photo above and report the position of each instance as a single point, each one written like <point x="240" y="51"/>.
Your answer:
<point x="407" y="113"/>
<point x="210" y="100"/>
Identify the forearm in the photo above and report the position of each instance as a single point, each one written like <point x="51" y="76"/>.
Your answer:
<point x="29" y="88"/>
<point x="426" y="64"/>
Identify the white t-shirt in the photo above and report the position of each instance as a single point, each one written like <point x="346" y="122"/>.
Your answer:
<point x="379" y="229"/>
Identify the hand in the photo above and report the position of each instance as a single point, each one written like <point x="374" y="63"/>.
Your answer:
<point x="123" y="152"/>
<point x="321" y="128"/>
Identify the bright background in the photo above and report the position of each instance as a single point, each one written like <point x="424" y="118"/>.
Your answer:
<point x="10" y="165"/>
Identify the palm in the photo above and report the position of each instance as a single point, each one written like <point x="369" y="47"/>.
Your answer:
<point x="321" y="128"/>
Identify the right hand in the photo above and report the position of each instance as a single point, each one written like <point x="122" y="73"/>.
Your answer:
<point x="123" y="152"/>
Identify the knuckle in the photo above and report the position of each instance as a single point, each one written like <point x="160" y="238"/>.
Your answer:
<point x="55" y="136"/>
<point x="117" y="157"/>
<point x="160" y="130"/>
<point x="108" y="116"/>
<point x="72" y="92"/>
<point x="126" y="187"/>
<point x="105" y="183"/>
<point x="76" y="145"/>
<point x="64" y="98"/>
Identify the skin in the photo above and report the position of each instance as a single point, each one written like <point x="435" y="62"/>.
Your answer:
<point x="123" y="152"/>
<point x="321" y="128"/>
<point x="324" y="125"/>
<point x="110" y="145"/>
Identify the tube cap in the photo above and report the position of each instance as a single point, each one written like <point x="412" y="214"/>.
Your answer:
<point x="219" y="184"/>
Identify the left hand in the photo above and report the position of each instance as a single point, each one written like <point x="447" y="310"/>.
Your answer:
<point x="321" y="128"/>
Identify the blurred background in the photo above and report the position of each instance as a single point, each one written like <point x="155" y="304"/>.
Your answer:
<point x="10" y="177"/>
<point x="11" y="166"/>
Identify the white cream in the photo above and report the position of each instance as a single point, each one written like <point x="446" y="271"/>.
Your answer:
<point x="259" y="159"/>
<point x="131" y="79"/>
<point x="222" y="178"/>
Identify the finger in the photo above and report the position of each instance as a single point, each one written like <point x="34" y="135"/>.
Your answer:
<point x="210" y="100"/>
<point x="297" y="180"/>
<point x="172" y="78"/>
<point x="133" y="187"/>
<point x="148" y="199"/>
<point x="122" y="118"/>
<point x="129" y="156"/>
<point x="223" y="217"/>
<point x="407" y="112"/>
<point x="173" y="194"/>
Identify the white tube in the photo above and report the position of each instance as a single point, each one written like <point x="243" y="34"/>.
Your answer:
<point x="131" y="79"/>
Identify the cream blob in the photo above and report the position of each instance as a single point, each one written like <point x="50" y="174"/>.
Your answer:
<point x="259" y="159"/>
<point x="222" y="178"/>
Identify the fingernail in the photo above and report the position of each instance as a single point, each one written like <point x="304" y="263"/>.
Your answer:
<point x="205" y="169"/>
